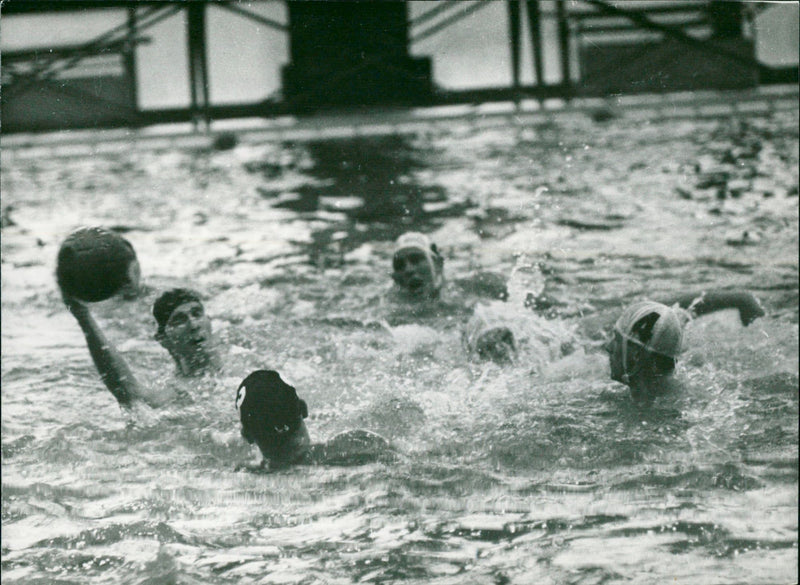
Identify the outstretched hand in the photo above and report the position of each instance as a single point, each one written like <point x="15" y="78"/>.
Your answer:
<point x="262" y="467"/>
<point x="750" y="310"/>
<point x="75" y="306"/>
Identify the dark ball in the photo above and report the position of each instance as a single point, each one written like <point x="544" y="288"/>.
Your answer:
<point x="94" y="264"/>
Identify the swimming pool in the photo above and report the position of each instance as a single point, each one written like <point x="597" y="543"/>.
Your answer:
<point x="540" y="472"/>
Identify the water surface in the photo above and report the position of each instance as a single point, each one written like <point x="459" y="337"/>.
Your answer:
<point x="540" y="472"/>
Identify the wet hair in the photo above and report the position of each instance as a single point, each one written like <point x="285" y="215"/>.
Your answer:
<point x="497" y="345"/>
<point x="269" y="408"/>
<point x="643" y="331"/>
<point x="169" y="301"/>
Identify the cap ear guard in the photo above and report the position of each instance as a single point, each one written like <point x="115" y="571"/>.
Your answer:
<point x="437" y="258"/>
<point x="656" y="329"/>
<point x="241" y="394"/>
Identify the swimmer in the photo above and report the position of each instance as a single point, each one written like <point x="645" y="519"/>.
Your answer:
<point x="184" y="330"/>
<point x="488" y="335"/>
<point x="645" y="343"/>
<point x="647" y="338"/>
<point x="417" y="267"/>
<point x="418" y="274"/>
<point x="272" y="418"/>
<point x="420" y="289"/>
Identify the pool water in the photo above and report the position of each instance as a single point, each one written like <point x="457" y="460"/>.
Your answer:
<point x="543" y="471"/>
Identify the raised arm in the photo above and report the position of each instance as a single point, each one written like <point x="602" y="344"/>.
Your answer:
<point x="113" y="369"/>
<point x="704" y="302"/>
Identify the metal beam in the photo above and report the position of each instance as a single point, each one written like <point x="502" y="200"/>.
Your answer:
<point x="693" y="22"/>
<point x="198" y="66"/>
<point x="514" y="24"/>
<point x="564" y="44"/>
<point x="671" y="8"/>
<point x="130" y="60"/>
<point x="10" y="7"/>
<point x="449" y="21"/>
<point x="282" y="27"/>
<point x="674" y="32"/>
<point x="535" y="26"/>
<point x="48" y="70"/>
<point x="433" y="12"/>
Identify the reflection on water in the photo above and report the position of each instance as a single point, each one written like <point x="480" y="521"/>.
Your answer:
<point x="375" y="182"/>
<point x="543" y="471"/>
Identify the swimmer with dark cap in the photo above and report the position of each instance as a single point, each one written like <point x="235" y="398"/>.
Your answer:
<point x="272" y="418"/>
<point x="647" y="338"/>
<point x="184" y="330"/>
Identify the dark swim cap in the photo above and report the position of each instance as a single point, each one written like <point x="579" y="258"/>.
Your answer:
<point x="171" y="300"/>
<point x="268" y="406"/>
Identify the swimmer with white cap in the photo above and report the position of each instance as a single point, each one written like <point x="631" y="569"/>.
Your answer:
<point x="647" y="339"/>
<point x="488" y="336"/>
<point x="272" y="417"/>
<point x="646" y="343"/>
<point x="417" y="267"/>
<point x="418" y="274"/>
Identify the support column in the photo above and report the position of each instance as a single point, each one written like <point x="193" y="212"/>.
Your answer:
<point x="564" y="47"/>
<point x="130" y="65"/>
<point x="535" y="26"/>
<point x="198" y="66"/>
<point x="514" y="23"/>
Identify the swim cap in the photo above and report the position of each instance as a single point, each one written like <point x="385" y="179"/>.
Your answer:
<point x="667" y="334"/>
<point x="268" y="406"/>
<point x="414" y="240"/>
<point x="421" y="242"/>
<point x="489" y="333"/>
<point x="169" y="301"/>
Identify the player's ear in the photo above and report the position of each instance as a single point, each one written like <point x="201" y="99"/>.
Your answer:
<point x="437" y="257"/>
<point x="303" y="408"/>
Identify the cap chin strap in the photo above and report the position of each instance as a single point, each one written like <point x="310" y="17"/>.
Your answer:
<point x="626" y="377"/>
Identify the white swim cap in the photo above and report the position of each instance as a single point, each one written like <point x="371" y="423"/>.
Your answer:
<point x="667" y="335"/>
<point x="415" y="240"/>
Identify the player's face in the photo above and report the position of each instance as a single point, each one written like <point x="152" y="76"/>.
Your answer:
<point x="413" y="272"/>
<point x="187" y="333"/>
<point x="285" y="448"/>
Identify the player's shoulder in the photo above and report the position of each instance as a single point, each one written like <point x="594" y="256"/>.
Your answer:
<point x="355" y="447"/>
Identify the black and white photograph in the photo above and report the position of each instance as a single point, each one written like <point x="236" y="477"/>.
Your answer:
<point x="399" y="292"/>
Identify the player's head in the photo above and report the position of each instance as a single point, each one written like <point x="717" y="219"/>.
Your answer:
<point x="184" y="329"/>
<point x="272" y="416"/>
<point x="417" y="266"/>
<point x="647" y="340"/>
